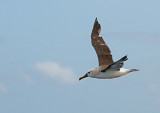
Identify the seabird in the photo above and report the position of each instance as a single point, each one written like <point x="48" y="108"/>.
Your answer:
<point x="107" y="68"/>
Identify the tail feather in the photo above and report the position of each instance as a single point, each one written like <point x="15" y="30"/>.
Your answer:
<point x="131" y="70"/>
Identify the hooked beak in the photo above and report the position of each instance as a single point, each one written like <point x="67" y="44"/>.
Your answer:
<point x="84" y="76"/>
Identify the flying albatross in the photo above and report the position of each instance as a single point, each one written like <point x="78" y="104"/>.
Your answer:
<point x="107" y="68"/>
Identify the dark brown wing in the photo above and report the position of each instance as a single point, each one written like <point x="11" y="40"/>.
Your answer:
<point x="102" y="50"/>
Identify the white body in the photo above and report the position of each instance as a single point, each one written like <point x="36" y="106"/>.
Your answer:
<point x="109" y="74"/>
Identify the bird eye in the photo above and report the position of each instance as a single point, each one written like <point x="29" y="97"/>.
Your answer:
<point x="88" y="72"/>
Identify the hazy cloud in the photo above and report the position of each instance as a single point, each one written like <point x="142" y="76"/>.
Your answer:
<point x="28" y="79"/>
<point x="56" y="72"/>
<point x="147" y="36"/>
<point x="25" y="77"/>
<point x="3" y="88"/>
<point x="155" y="90"/>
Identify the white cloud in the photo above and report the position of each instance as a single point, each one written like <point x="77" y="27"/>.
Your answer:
<point x="3" y="88"/>
<point x="57" y="72"/>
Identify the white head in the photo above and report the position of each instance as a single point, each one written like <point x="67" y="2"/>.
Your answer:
<point x="91" y="73"/>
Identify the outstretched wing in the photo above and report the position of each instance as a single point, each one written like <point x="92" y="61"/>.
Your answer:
<point x="102" y="50"/>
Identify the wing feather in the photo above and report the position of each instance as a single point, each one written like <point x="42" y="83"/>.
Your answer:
<point x="102" y="50"/>
<point x="116" y="65"/>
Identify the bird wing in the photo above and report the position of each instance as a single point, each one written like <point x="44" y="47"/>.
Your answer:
<point x="119" y="63"/>
<point x="102" y="50"/>
<point x="116" y="65"/>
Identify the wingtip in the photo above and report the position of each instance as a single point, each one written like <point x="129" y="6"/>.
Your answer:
<point x="96" y="29"/>
<point x="124" y="58"/>
<point x="96" y="20"/>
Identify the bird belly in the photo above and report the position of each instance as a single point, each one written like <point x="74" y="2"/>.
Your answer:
<point x="108" y="75"/>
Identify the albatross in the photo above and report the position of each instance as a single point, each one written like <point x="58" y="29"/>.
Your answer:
<point x="107" y="68"/>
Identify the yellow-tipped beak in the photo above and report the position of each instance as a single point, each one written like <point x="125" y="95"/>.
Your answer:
<point x="84" y="76"/>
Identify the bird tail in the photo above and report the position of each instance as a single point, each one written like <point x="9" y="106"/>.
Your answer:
<point x="131" y="70"/>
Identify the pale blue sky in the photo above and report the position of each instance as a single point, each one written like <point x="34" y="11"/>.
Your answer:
<point x="38" y="38"/>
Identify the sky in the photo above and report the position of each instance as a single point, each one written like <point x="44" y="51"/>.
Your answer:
<point x="45" y="47"/>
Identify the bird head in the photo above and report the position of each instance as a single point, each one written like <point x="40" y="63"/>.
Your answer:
<point x="86" y="75"/>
